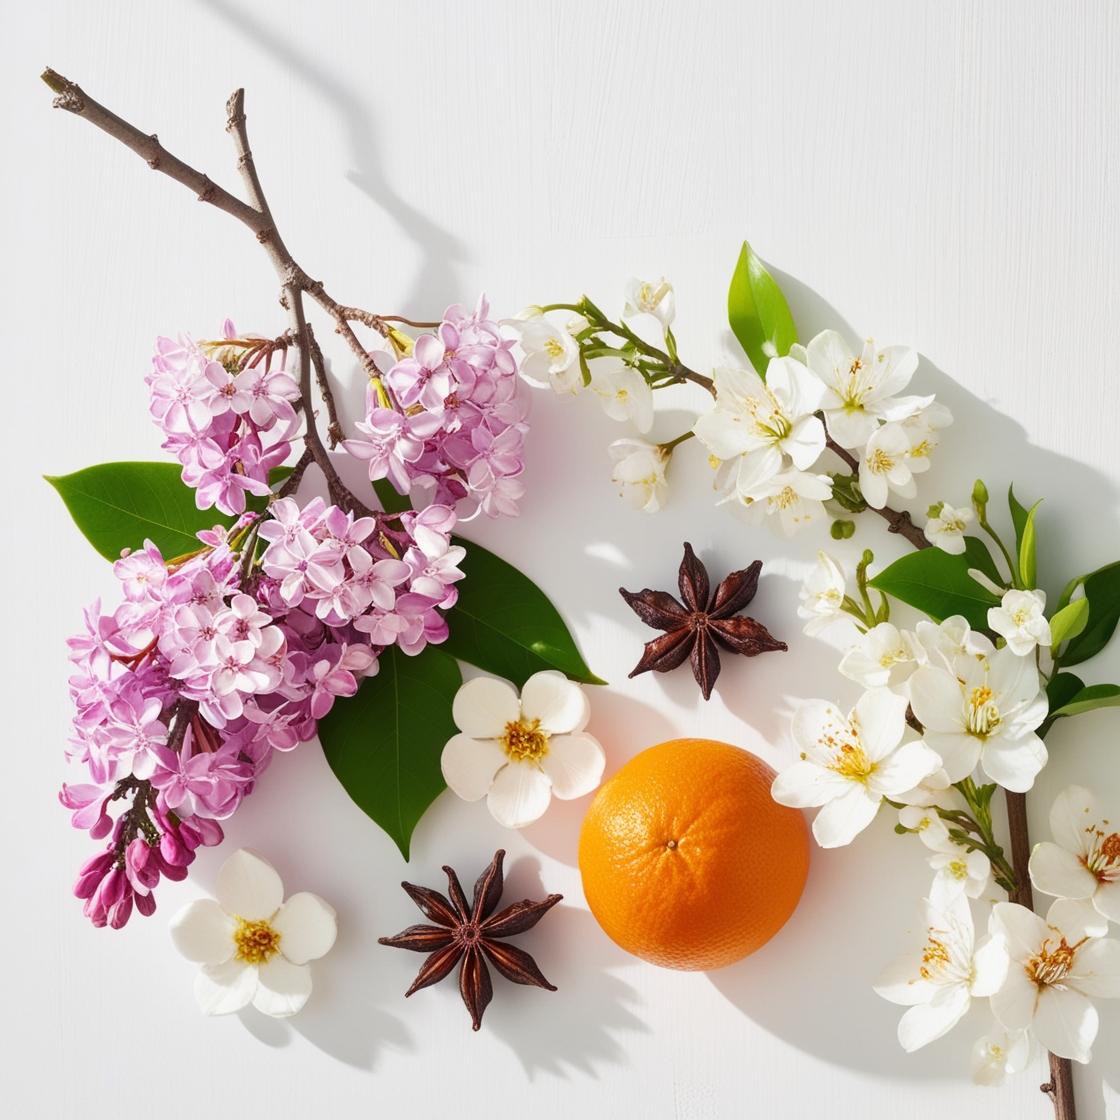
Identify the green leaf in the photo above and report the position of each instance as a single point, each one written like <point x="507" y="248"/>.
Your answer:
<point x="1095" y="696"/>
<point x="117" y="505"/>
<point x="1062" y="688"/>
<point x="939" y="584"/>
<point x="384" y="743"/>
<point x="1068" y="622"/>
<point x="505" y="624"/>
<point x="1019" y="513"/>
<point x="758" y="312"/>
<point x="978" y="555"/>
<point x="1102" y="589"/>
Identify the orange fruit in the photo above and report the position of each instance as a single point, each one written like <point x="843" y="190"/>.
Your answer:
<point x="686" y="859"/>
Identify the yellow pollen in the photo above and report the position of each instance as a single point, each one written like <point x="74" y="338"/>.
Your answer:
<point x="879" y="462"/>
<point x="524" y="741"/>
<point x="958" y="869"/>
<point x="983" y="717"/>
<point x="783" y="499"/>
<point x="1051" y="966"/>
<point x="714" y="462"/>
<point x="554" y="348"/>
<point x="851" y="762"/>
<point x="1103" y="859"/>
<point x="256" y="942"/>
<point x="921" y="451"/>
<point x="934" y="958"/>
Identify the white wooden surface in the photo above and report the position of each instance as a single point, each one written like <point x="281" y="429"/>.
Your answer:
<point x="941" y="174"/>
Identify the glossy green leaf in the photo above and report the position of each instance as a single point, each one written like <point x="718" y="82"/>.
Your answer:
<point x="758" y="313"/>
<point x="938" y="584"/>
<point x="119" y="505"/>
<point x="1090" y="698"/>
<point x="1062" y="688"/>
<point x="1102" y="589"/>
<point x="1069" y="622"/>
<point x="384" y="743"/>
<point x="503" y="623"/>
<point x="979" y="556"/>
<point x="1028" y="574"/>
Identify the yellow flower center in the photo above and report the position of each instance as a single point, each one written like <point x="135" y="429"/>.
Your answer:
<point x="1051" y="966"/>
<point x="879" y="462"/>
<point x="554" y="348"/>
<point x="524" y="741"/>
<point x="1103" y="859"/>
<point x="982" y="717"/>
<point x="256" y="942"/>
<point x="851" y="762"/>
<point x="958" y="869"/>
<point x="854" y="393"/>
<point x="650" y="296"/>
<point x="934" y="958"/>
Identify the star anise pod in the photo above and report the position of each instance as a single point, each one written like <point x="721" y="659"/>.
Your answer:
<point x="471" y="934"/>
<point x="704" y="622"/>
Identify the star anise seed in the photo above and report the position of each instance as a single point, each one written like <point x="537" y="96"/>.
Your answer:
<point x="705" y="621"/>
<point x="469" y="935"/>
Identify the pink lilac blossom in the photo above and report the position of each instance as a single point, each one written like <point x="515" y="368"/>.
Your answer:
<point x="455" y="436"/>
<point x="207" y="666"/>
<point x="228" y="426"/>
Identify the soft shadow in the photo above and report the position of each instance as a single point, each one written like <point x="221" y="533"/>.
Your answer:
<point x="582" y="1028"/>
<point x="436" y="281"/>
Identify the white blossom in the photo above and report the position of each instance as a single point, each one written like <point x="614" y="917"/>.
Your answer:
<point x="862" y="391"/>
<point x="518" y="752"/>
<point x="252" y="946"/>
<point x="938" y="979"/>
<point x="1020" y="620"/>
<point x="623" y="391"/>
<point x="639" y="473"/>
<point x="822" y="595"/>
<point x="795" y="497"/>
<point x="885" y="466"/>
<point x="884" y="657"/>
<point x="957" y="872"/>
<point x="550" y="355"/>
<point x="983" y="710"/>
<point x="1083" y="860"/>
<point x="927" y="823"/>
<point x="654" y="298"/>
<point x="946" y="530"/>
<point x="1055" y="968"/>
<point x="848" y="764"/>
<point x="998" y="1053"/>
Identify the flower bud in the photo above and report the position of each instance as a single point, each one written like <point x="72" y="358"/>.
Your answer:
<point x="980" y="497"/>
<point x="842" y="530"/>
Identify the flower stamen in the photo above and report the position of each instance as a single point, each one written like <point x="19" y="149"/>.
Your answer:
<point x="524" y="741"/>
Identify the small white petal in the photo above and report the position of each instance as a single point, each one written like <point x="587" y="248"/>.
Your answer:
<point x="203" y="932"/>
<point x="1107" y="900"/>
<point x="1076" y="918"/>
<point x="1023" y="929"/>
<point x="881" y="717"/>
<point x="574" y="764"/>
<point x="560" y="704"/>
<point x="483" y="707"/>
<point x="842" y="820"/>
<point x="927" y="1022"/>
<point x="222" y="988"/>
<point x="307" y="926"/>
<point x="1096" y="968"/>
<point x="1014" y="1004"/>
<point x="1066" y="1023"/>
<point x="1060" y="873"/>
<point x="282" y="987"/>
<point x="805" y="785"/>
<point x="249" y="886"/>
<point x="990" y="964"/>
<point x="1014" y="763"/>
<point x="470" y="765"/>
<point x="1073" y="812"/>
<point x="901" y="983"/>
<point x="520" y="795"/>
<point x="904" y="769"/>
<point x="958" y="752"/>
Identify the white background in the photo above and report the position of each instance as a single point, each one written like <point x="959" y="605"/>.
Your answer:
<point x="940" y="174"/>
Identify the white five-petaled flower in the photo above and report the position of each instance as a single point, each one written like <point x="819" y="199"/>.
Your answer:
<point x="654" y="298"/>
<point x="861" y="391"/>
<point x="518" y="752"/>
<point x="640" y="473"/>
<point x="927" y="823"/>
<point x="623" y="391"/>
<point x="998" y="1053"/>
<point x="937" y="980"/>
<point x="764" y="421"/>
<point x="795" y="497"/>
<point x="551" y="354"/>
<point x="983" y="709"/>
<point x="885" y="465"/>
<point x="1083" y="861"/>
<point x="946" y="530"/>
<point x="1020" y="621"/>
<point x="252" y="945"/>
<point x="884" y="657"/>
<point x="951" y="638"/>
<point x="850" y="763"/>
<point x="957" y="872"/>
<point x="1055" y="967"/>
<point x="822" y="595"/>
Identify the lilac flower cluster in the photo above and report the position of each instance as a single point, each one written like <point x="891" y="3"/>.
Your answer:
<point x="185" y="690"/>
<point x="227" y="413"/>
<point x="447" y="423"/>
